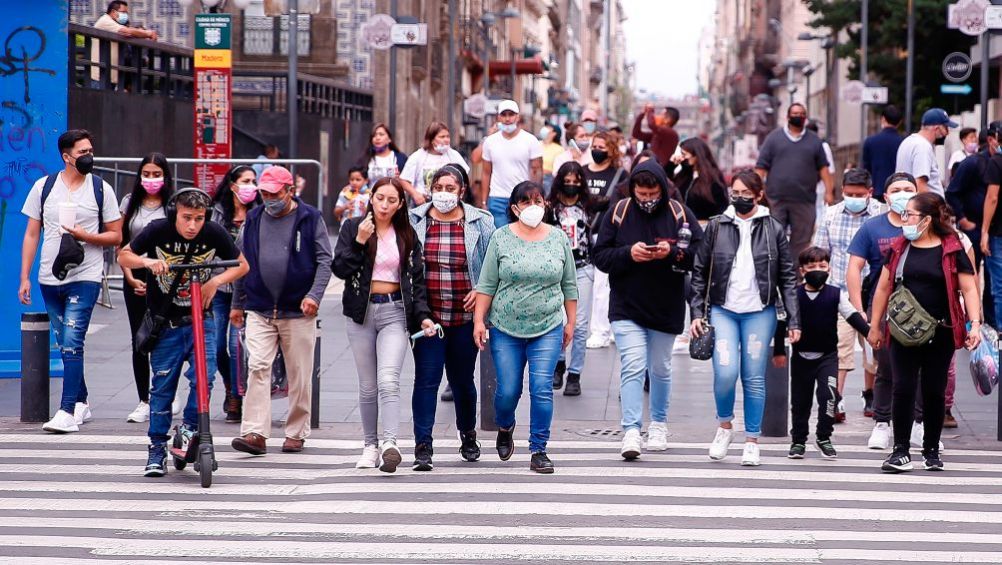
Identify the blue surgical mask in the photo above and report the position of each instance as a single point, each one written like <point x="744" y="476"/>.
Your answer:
<point x="589" y="127"/>
<point x="899" y="200"/>
<point x="123" y="18"/>
<point x="856" y="205"/>
<point x="508" y="128"/>
<point x="911" y="232"/>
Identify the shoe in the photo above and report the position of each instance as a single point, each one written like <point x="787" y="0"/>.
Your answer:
<point x="234" y="410"/>
<point x="839" y="411"/>
<point x="949" y="421"/>
<point x="880" y="437"/>
<point x="250" y="443"/>
<point x="540" y="463"/>
<point x="446" y="394"/>
<point x="156" y="462"/>
<point x="62" y="423"/>
<point x="470" y="448"/>
<point x="293" y="445"/>
<point x="185" y="434"/>
<point x="391" y="457"/>
<point x="631" y="444"/>
<point x="597" y="342"/>
<point x="751" y="456"/>
<point x="932" y="461"/>
<point x="868" y="403"/>
<point x="369" y="458"/>
<point x="918" y="434"/>
<point x="140" y="414"/>
<point x="657" y="436"/>
<point x="827" y="449"/>
<point x="505" y="444"/>
<point x="558" y="375"/>
<point x="797" y="451"/>
<point x="721" y="441"/>
<point x="422" y="457"/>
<point x="82" y="413"/>
<point x="573" y="387"/>
<point x="898" y="462"/>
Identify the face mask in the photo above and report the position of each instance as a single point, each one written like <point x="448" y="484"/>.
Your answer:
<point x="582" y="145"/>
<point x="571" y="189"/>
<point x="274" y="207"/>
<point x="379" y="148"/>
<point x="543" y="134"/>
<point x="599" y="156"/>
<point x="123" y="18"/>
<point x="899" y="200"/>
<point x="743" y="205"/>
<point x="152" y="185"/>
<point x="855" y="205"/>
<point x="816" y="279"/>
<point x="445" y="202"/>
<point x="971" y="148"/>
<point x="532" y="215"/>
<point x="85" y="164"/>
<point x="797" y="121"/>
<point x="442" y="149"/>
<point x="649" y="205"/>
<point x="911" y="233"/>
<point x="589" y="127"/>
<point x="940" y="140"/>
<point x="508" y="128"/>
<point x="622" y="149"/>
<point x="246" y="193"/>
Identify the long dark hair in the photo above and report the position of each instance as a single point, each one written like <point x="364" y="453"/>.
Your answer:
<point x="522" y="192"/>
<point x="139" y="193"/>
<point x="932" y="205"/>
<point x="224" y="195"/>
<point x="401" y="225"/>
<point x="706" y="167"/>
<point x="369" y="153"/>
<point x="569" y="168"/>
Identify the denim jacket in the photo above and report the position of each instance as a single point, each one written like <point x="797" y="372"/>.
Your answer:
<point x="478" y="227"/>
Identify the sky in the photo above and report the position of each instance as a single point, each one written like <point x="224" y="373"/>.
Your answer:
<point x="662" y="38"/>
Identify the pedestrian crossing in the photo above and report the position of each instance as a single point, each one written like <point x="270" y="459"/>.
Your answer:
<point x="82" y="498"/>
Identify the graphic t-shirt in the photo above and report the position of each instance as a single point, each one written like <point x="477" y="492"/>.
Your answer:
<point x="577" y="225"/>
<point x="161" y="241"/>
<point x="421" y="166"/>
<point x="354" y="202"/>
<point x="380" y="167"/>
<point x="598" y="181"/>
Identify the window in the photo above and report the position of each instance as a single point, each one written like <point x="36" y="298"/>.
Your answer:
<point x="265" y="35"/>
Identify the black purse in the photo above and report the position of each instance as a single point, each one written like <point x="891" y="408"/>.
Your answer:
<point x="148" y="333"/>
<point x="701" y="348"/>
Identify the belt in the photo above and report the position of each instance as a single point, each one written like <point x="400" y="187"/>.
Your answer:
<point x="386" y="298"/>
<point x="185" y="321"/>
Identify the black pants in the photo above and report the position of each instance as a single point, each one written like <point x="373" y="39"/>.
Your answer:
<point x="883" y="385"/>
<point x="932" y="361"/>
<point x="136" y="307"/>
<point x="810" y="378"/>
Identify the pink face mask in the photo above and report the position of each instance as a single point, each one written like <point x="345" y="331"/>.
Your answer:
<point x="152" y="185"/>
<point x="246" y="193"/>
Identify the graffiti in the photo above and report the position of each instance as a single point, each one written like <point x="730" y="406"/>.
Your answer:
<point x="16" y="60"/>
<point x="18" y="109"/>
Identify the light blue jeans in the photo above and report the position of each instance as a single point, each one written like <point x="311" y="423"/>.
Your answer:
<point x="993" y="263"/>
<point x="641" y="351"/>
<point x="582" y="324"/>
<point x="742" y="350"/>
<point x="498" y="207"/>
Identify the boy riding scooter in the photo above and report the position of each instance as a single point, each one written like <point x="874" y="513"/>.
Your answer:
<point x="185" y="236"/>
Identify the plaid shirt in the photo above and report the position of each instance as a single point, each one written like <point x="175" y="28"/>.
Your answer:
<point x="835" y="233"/>
<point x="446" y="273"/>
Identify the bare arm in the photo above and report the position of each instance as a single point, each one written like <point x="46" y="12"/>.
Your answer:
<point x="826" y="177"/>
<point x="762" y="172"/>
<point x="991" y="204"/>
<point x="879" y="307"/>
<point x="485" y="184"/>
<point x="110" y="237"/>
<point x="536" y="169"/>
<point x="923" y="184"/>
<point x="854" y="282"/>
<point x="29" y="246"/>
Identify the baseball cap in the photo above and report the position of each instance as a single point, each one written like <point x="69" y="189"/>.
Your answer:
<point x="274" y="179"/>
<point x="589" y="115"/>
<point x="507" y="106"/>
<point x="995" y="128"/>
<point x="937" y="117"/>
<point x="69" y="257"/>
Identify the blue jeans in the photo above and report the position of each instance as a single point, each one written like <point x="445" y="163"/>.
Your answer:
<point x="175" y="346"/>
<point x="457" y="354"/>
<point x="643" y="351"/>
<point x="498" y="207"/>
<point x="227" y="337"/>
<point x="586" y="279"/>
<point x="69" y="307"/>
<point x="511" y="354"/>
<point x="994" y="265"/>
<point x="742" y="349"/>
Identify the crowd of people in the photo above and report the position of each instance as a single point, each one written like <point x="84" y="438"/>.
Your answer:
<point x="570" y="239"/>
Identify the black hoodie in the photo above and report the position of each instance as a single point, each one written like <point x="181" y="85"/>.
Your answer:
<point x="650" y="294"/>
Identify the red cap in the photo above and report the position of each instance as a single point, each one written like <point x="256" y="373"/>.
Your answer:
<point x="274" y="179"/>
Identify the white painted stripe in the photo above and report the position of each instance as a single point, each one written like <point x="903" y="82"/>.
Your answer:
<point x="94" y="328"/>
<point x="252" y="509"/>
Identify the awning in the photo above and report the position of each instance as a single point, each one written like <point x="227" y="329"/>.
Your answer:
<point x="532" y="66"/>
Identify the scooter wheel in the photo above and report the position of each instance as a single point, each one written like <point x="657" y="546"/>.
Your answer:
<point x="179" y="463"/>
<point x="205" y="468"/>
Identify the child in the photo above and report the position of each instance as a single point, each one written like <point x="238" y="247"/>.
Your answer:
<point x="815" y="356"/>
<point x="354" y="198"/>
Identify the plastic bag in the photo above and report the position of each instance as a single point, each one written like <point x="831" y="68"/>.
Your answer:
<point x="279" y="378"/>
<point x="984" y="362"/>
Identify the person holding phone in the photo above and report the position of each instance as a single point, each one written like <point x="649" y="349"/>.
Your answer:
<point x="578" y="147"/>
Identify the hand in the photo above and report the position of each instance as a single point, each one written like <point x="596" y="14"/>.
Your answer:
<point x="309" y="307"/>
<point x="156" y="266"/>
<point x="77" y="232"/>
<point x="973" y="337"/>
<point x="209" y="289"/>
<point x="829" y="198"/>
<point x="696" y="329"/>
<point x="237" y="318"/>
<point x="470" y="300"/>
<point x="154" y="36"/>
<point x="664" y="248"/>
<point x="24" y="292"/>
<point x="793" y="336"/>
<point x="419" y="199"/>
<point x="875" y="337"/>
<point x="675" y="158"/>
<point x="429" y="328"/>
<point x="138" y="287"/>
<point x="640" y="254"/>
<point x="568" y="334"/>
<point x="985" y="240"/>
<point x="779" y="361"/>
<point x="967" y="225"/>
<point x="480" y="335"/>
<point x="365" y="229"/>
<point x="648" y="107"/>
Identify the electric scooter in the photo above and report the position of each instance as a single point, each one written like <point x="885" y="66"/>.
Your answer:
<point x="199" y="449"/>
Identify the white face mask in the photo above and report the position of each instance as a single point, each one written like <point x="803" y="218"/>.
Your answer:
<point x="507" y="128"/>
<point x="442" y="149"/>
<point x="532" y="215"/>
<point x="445" y="202"/>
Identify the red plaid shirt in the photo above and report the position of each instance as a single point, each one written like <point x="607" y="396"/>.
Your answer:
<point x="446" y="272"/>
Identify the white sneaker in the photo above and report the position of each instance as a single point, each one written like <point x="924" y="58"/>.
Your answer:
<point x="918" y="434"/>
<point x="681" y="346"/>
<point x="62" y="423"/>
<point x="369" y="458"/>
<point x="722" y="441"/>
<point x="750" y="458"/>
<point x="631" y="444"/>
<point x="177" y="405"/>
<point x="140" y="414"/>
<point x="597" y="342"/>
<point x="82" y="413"/>
<point x="391" y="457"/>
<point x="657" y="436"/>
<point x="880" y="437"/>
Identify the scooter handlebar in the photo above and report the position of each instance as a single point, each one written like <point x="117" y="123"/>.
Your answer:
<point x="200" y="266"/>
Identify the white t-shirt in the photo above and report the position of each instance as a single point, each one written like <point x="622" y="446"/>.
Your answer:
<point x="92" y="267"/>
<point x="742" y="292"/>
<point x="917" y="157"/>
<point x="380" y="167"/>
<point x="509" y="159"/>
<point x="422" y="165"/>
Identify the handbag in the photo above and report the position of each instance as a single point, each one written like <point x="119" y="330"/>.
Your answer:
<point x="701" y="348"/>
<point x="911" y="325"/>
<point x="148" y="333"/>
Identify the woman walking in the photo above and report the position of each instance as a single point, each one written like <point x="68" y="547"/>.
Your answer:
<point x="382" y="158"/>
<point x="435" y="153"/>
<point x="700" y="180"/>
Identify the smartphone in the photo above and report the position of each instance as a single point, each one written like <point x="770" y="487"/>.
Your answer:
<point x="652" y="248"/>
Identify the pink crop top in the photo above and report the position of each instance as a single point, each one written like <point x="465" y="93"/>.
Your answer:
<point x="387" y="265"/>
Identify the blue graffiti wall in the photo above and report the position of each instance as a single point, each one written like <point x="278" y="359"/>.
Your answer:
<point x="33" y="87"/>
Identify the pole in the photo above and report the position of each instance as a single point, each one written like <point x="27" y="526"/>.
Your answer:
<point x="487" y="69"/>
<point x="807" y="95"/>
<point x="315" y="383"/>
<point x="451" y="102"/>
<point x="34" y="367"/>
<point x="910" y="66"/>
<point x="511" y="51"/>
<point x="392" y="119"/>
<point x="864" y="42"/>
<point x="985" y="71"/>
<point x="292" y="85"/>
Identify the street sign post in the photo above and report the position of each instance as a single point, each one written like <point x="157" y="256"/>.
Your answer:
<point x="852" y="91"/>
<point x="957" y="67"/>
<point x="993" y="17"/>
<point x="968" y="16"/>
<point x="961" y="89"/>
<point x="213" y="92"/>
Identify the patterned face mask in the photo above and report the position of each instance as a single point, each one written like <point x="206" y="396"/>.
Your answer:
<point x="649" y="205"/>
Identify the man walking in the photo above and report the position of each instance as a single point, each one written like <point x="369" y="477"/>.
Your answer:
<point x="289" y="253"/>
<point x="510" y="156"/>
<point x="792" y="161"/>
<point x="880" y="150"/>
<point x="917" y="154"/>
<point x="659" y="135"/>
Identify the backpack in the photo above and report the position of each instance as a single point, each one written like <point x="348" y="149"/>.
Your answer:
<point x="50" y="181"/>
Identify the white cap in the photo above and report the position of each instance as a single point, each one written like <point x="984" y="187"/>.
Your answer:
<point x="507" y="106"/>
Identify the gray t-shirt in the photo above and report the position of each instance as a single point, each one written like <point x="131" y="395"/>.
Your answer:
<point x="142" y="217"/>
<point x="917" y="157"/>
<point x="794" y="166"/>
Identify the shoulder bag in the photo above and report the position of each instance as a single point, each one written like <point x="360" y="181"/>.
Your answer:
<point x="701" y="348"/>
<point x="911" y="324"/>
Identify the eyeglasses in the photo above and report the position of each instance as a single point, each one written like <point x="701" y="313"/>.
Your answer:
<point x="908" y="214"/>
<point x="745" y="194"/>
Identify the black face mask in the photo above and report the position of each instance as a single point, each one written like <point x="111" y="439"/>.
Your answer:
<point x="85" y="164"/>
<point x="797" y="121"/>
<point x="816" y="279"/>
<point x="599" y="156"/>
<point x="940" y="141"/>
<point x="570" y="189"/>
<point x="743" y="205"/>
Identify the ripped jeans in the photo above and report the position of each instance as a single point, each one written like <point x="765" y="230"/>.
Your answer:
<point x="69" y="307"/>
<point x="742" y="350"/>
<point x="175" y="346"/>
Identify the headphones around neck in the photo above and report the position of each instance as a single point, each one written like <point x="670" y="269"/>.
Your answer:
<point x="171" y="207"/>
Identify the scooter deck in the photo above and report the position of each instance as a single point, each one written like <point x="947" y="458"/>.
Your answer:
<point x="189" y="455"/>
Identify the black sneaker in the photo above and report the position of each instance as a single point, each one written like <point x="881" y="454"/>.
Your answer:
<point x="827" y="449"/>
<point x="505" y="443"/>
<point x="540" y="463"/>
<point x="558" y="375"/>
<point x="470" y="448"/>
<point x="573" y="387"/>
<point x="932" y="460"/>
<point x="156" y="463"/>
<point x="868" y="403"/>
<point x="422" y="457"/>
<point x="647" y="382"/>
<point x="446" y="394"/>
<point x="797" y="451"/>
<point x="898" y="462"/>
